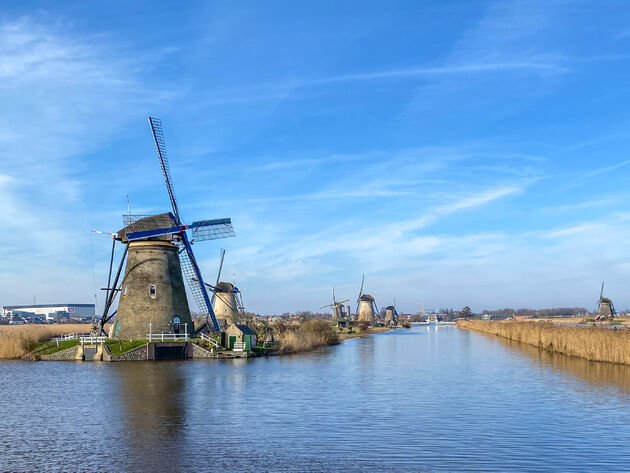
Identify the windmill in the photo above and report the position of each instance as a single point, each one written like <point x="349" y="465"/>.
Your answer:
<point x="605" y="306"/>
<point x="227" y="299"/>
<point x="391" y="316"/>
<point x="366" y="306"/>
<point x="159" y="255"/>
<point x="337" y="307"/>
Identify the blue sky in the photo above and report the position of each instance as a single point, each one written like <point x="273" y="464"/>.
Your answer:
<point x="457" y="153"/>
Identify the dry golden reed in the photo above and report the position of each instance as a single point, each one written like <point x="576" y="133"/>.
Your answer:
<point x="309" y="335"/>
<point x="591" y="343"/>
<point x="18" y="340"/>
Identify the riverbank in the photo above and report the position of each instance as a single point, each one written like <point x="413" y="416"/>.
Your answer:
<point x="357" y="333"/>
<point x="17" y="341"/>
<point x="587" y="342"/>
<point x="584" y="320"/>
<point x="31" y="341"/>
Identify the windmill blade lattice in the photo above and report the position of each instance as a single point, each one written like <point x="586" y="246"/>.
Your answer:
<point x="192" y="276"/>
<point x="212" y="229"/>
<point x="158" y="137"/>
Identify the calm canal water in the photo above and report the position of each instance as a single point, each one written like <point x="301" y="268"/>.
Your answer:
<point x="426" y="399"/>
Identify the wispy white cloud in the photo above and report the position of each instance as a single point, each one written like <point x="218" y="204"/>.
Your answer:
<point x="450" y="70"/>
<point x="578" y="178"/>
<point x="63" y="95"/>
<point x="284" y="90"/>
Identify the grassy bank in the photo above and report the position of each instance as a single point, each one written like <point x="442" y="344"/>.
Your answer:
<point x="590" y="343"/>
<point x="48" y="348"/>
<point x="18" y="340"/>
<point x="118" y="347"/>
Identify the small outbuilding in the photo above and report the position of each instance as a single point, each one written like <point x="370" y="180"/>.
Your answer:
<point x="239" y="335"/>
<point x="208" y="329"/>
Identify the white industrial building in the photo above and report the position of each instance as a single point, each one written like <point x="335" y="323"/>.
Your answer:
<point x="51" y="311"/>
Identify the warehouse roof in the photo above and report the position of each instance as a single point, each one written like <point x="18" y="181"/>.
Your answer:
<point x="42" y="306"/>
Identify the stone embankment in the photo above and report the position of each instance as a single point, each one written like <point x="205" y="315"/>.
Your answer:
<point x="69" y="354"/>
<point x="200" y="353"/>
<point x="137" y="354"/>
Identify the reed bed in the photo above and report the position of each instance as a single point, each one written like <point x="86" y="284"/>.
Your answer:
<point x="591" y="343"/>
<point x="18" y="340"/>
<point x="309" y="335"/>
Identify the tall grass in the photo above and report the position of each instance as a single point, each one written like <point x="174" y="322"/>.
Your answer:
<point x="309" y="335"/>
<point x="18" y="340"/>
<point x="590" y="343"/>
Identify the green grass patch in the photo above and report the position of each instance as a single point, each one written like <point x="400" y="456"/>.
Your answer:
<point x="48" y="348"/>
<point x="117" y="347"/>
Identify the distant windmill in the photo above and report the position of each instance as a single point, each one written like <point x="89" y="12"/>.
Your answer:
<point x="158" y="249"/>
<point x="391" y="316"/>
<point x="605" y="306"/>
<point x="337" y="307"/>
<point x="227" y="299"/>
<point x="366" y="306"/>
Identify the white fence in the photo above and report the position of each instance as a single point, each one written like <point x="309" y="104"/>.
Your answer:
<point x="69" y="336"/>
<point x="210" y="340"/>
<point x="155" y="337"/>
<point x="92" y="340"/>
<point x="239" y="346"/>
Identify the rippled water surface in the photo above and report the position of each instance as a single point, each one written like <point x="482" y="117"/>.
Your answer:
<point x="426" y="399"/>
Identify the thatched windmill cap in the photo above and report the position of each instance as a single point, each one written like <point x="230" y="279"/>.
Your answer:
<point x="152" y="222"/>
<point x="367" y="298"/>
<point x="390" y="307"/>
<point x="225" y="287"/>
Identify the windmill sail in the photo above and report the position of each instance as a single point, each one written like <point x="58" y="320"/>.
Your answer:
<point x="212" y="229"/>
<point x="214" y="294"/>
<point x="360" y="293"/>
<point x="192" y="274"/>
<point x="158" y="137"/>
<point x="206" y="230"/>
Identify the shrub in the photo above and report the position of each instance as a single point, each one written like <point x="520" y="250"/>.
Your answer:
<point x="309" y="335"/>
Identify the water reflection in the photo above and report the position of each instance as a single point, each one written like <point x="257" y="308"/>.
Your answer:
<point x="151" y="406"/>
<point x="599" y="373"/>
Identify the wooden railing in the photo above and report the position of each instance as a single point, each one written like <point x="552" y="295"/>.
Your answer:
<point x="239" y="346"/>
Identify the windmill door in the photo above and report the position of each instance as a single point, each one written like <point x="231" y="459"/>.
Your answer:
<point x="232" y="341"/>
<point x="248" y="342"/>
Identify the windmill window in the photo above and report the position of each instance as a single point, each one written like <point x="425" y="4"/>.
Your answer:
<point x="125" y="291"/>
<point x="152" y="291"/>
